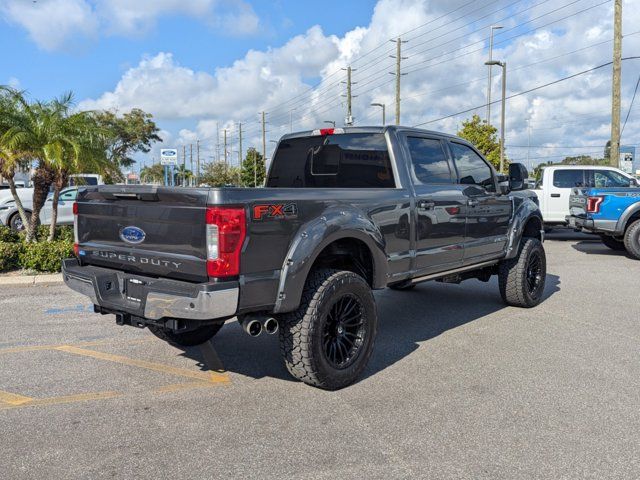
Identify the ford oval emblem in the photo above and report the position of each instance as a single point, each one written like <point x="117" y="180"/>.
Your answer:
<point x="132" y="235"/>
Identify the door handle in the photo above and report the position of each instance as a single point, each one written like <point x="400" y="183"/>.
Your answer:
<point x="472" y="203"/>
<point x="555" y="195"/>
<point x="426" y="204"/>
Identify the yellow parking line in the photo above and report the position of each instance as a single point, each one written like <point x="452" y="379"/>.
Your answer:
<point x="34" y="348"/>
<point x="211" y="377"/>
<point x="82" y="397"/>
<point x="13" y="398"/>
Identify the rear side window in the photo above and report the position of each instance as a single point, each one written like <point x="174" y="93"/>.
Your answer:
<point x="472" y="169"/>
<point x="568" y="178"/>
<point x="352" y="160"/>
<point x="608" y="179"/>
<point x="429" y="162"/>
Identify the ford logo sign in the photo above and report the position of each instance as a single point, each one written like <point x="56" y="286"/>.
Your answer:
<point x="132" y="235"/>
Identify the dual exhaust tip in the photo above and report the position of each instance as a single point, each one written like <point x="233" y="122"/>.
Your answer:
<point x="254" y="326"/>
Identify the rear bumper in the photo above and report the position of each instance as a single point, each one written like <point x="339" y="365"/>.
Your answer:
<point x="151" y="298"/>
<point x="591" y="225"/>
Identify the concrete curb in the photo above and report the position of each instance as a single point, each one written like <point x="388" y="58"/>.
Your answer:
<point x="28" y="280"/>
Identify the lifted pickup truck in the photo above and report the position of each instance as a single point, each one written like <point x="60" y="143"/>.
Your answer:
<point x="613" y="213"/>
<point x="344" y="211"/>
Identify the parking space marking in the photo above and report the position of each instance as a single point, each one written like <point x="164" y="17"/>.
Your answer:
<point x="13" y="398"/>
<point x="81" y="397"/>
<point x="212" y="377"/>
<point x="95" y="343"/>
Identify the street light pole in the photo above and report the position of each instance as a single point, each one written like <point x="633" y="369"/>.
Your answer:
<point x="332" y="122"/>
<point x="384" y="108"/>
<point x="493" y="28"/>
<point x="502" y="113"/>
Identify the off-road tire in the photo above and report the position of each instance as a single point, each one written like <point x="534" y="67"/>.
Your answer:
<point x="632" y="240"/>
<point x="187" y="339"/>
<point x="513" y="275"/>
<point x="613" y="243"/>
<point x="403" y="286"/>
<point x="303" y="332"/>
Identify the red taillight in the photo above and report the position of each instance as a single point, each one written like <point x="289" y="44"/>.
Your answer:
<point x="76" y="249"/>
<point x="593" y="204"/>
<point x="226" y="231"/>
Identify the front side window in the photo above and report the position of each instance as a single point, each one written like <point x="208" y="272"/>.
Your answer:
<point x="472" y="169"/>
<point x="351" y="160"/>
<point x="568" y="178"/>
<point x="429" y="161"/>
<point x="608" y="179"/>
<point x="68" y="195"/>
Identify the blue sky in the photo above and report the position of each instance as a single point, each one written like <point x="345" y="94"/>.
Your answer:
<point x="92" y="67"/>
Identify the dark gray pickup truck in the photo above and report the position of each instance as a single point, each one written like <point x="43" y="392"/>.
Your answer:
<point x="344" y="212"/>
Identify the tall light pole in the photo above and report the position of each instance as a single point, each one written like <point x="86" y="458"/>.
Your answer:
<point x="384" y="114"/>
<point x="493" y="28"/>
<point x="291" y="120"/>
<point x="332" y="122"/>
<point x="504" y="94"/>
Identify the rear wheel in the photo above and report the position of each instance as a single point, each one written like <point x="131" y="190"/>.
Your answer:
<point x="613" y="243"/>
<point x="327" y="342"/>
<point x="522" y="279"/>
<point x="187" y="339"/>
<point x="632" y="240"/>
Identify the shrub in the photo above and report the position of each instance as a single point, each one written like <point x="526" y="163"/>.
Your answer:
<point x="45" y="256"/>
<point x="64" y="232"/>
<point x="9" y="255"/>
<point x="7" y="235"/>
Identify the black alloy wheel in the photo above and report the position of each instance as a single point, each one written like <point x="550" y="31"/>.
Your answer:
<point x="344" y="331"/>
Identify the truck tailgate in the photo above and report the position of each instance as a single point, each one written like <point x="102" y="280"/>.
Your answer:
<point x="149" y="230"/>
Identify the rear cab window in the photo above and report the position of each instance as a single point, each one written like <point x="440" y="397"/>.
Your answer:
<point x="429" y="161"/>
<point x="568" y="178"/>
<point x="350" y="160"/>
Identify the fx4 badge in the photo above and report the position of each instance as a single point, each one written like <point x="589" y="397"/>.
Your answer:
<point x="280" y="210"/>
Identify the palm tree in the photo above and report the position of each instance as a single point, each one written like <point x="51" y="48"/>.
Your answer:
<point x="152" y="174"/>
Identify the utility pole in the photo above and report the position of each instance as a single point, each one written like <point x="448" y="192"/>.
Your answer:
<point x="398" y="56"/>
<point x="614" y="156"/>
<point x="225" y="149"/>
<point x="349" y="118"/>
<point x="502" y="114"/>
<point x="240" y="144"/>
<point x="217" y="141"/>
<point x="191" y="157"/>
<point x="493" y="28"/>
<point x="184" y="168"/>
<point x="197" y="162"/>
<point x="528" y="142"/>
<point x="264" y="151"/>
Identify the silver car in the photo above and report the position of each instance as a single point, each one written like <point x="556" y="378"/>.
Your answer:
<point x="9" y="215"/>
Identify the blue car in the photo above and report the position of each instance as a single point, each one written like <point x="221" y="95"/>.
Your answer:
<point x="613" y="213"/>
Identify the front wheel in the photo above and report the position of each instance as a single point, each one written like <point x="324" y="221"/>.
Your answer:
<point x="328" y="340"/>
<point x="613" y="243"/>
<point x="187" y="339"/>
<point x="522" y="279"/>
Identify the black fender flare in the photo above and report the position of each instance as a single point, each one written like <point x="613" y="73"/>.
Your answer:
<point x="312" y="238"/>
<point x="524" y="211"/>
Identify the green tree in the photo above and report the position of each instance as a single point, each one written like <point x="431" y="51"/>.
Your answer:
<point x="182" y="175"/>
<point x="127" y="134"/>
<point x="484" y="137"/>
<point x="152" y="174"/>
<point x="253" y="169"/>
<point x="219" y="174"/>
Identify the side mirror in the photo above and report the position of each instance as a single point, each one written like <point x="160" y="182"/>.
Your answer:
<point x="503" y="183"/>
<point x="633" y="182"/>
<point x="518" y="176"/>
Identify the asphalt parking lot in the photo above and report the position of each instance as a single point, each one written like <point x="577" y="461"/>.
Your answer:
<point x="459" y="386"/>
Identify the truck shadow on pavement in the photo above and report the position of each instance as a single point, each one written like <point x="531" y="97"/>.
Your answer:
<point x="596" y="247"/>
<point x="405" y="320"/>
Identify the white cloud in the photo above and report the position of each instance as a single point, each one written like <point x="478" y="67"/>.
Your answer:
<point x="55" y="24"/>
<point x="52" y="23"/>
<point x="447" y="75"/>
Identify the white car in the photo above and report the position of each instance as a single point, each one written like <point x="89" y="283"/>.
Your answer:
<point x="10" y="217"/>
<point x="555" y="184"/>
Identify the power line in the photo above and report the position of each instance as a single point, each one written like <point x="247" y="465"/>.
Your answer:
<point x="526" y="91"/>
<point x="630" y="107"/>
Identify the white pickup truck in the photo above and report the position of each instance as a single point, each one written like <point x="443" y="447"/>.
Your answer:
<point x="555" y="184"/>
